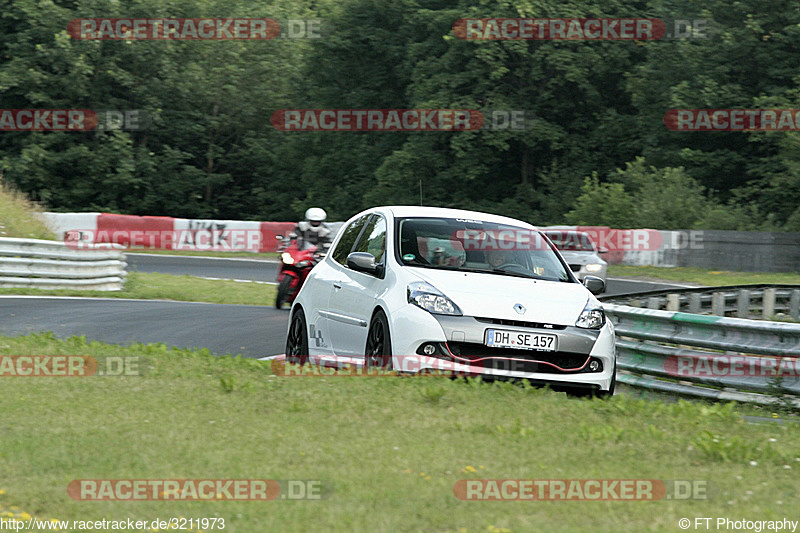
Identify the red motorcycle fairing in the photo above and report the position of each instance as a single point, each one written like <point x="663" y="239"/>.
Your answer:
<point x="296" y="263"/>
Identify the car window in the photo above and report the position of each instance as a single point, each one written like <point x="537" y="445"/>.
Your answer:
<point x="349" y="236"/>
<point x="477" y="246"/>
<point x="373" y="240"/>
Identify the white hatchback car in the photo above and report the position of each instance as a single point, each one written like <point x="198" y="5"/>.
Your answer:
<point x="430" y="288"/>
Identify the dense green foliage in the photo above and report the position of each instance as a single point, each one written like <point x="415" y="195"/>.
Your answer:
<point x="598" y="151"/>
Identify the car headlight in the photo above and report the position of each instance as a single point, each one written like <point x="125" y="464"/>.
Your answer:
<point x="592" y="317"/>
<point x="287" y="258"/>
<point x="594" y="267"/>
<point x="431" y="299"/>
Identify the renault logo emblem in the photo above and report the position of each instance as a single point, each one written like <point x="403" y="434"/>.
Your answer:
<point x="519" y="308"/>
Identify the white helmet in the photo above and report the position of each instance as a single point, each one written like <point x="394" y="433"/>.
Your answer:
<point x="316" y="214"/>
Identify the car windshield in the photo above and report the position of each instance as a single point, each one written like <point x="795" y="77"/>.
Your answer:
<point x="572" y="241"/>
<point x="477" y="246"/>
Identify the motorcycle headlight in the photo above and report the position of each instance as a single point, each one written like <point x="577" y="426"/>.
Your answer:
<point x="431" y="299"/>
<point x="287" y="258"/>
<point x="594" y="267"/>
<point x="592" y="317"/>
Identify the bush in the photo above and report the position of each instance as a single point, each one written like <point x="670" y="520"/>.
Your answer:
<point x="603" y="204"/>
<point x="639" y="196"/>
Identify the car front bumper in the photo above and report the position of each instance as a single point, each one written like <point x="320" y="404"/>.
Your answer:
<point x="459" y="344"/>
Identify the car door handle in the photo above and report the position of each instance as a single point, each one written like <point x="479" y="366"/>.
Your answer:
<point x="337" y="285"/>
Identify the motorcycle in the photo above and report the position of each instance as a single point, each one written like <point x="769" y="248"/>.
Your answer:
<point x="296" y="263"/>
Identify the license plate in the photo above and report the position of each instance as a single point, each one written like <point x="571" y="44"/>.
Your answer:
<point x="499" y="338"/>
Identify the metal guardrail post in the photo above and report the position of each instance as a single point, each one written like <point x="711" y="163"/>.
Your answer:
<point x="794" y="304"/>
<point x="718" y="304"/>
<point x="673" y="302"/>
<point x="695" y="303"/>
<point x="768" y="304"/>
<point x="743" y="304"/>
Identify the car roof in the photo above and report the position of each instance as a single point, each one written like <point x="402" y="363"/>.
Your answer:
<point x="402" y="211"/>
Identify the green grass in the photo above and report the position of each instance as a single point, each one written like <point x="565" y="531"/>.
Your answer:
<point x="391" y="449"/>
<point x="153" y="286"/>
<point x="18" y="217"/>
<point x="702" y="276"/>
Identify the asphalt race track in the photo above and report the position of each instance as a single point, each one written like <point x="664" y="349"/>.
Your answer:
<point x="252" y="331"/>
<point x="204" y="267"/>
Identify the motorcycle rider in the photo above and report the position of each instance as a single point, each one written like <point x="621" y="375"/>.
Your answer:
<point x="313" y="230"/>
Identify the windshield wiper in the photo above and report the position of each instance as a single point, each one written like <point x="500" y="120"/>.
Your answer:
<point x="502" y="273"/>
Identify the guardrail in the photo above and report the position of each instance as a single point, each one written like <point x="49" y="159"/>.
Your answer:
<point x="743" y="301"/>
<point x="34" y="263"/>
<point x="708" y="356"/>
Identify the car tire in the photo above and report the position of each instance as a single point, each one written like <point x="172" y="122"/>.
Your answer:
<point x="283" y="291"/>
<point x="605" y="394"/>
<point x="378" y="350"/>
<point x="297" y="339"/>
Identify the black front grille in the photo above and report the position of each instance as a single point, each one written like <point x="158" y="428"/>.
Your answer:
<point x="519" y="323"/>
<point x="524" y="360"/>
<point x="575" y="268"/>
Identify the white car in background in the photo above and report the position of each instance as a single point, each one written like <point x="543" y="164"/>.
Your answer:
<point x="580" y="253"/>
<point x="435" y="287"/>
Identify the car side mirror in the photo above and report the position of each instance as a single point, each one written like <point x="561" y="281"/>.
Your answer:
<point x="362" y="262"/>
<point x="602" y="251"/>
<point x="594" y="284"/>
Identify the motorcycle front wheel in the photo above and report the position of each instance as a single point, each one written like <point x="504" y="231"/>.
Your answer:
<point x="284" y="289"/>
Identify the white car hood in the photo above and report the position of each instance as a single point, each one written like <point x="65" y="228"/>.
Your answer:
<point x="494" y="296"/>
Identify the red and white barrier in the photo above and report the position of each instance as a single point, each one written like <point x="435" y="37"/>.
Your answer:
<point x="627" y="246"/>
<point x="167" y="233"/>
<point x="60" y="223"/>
